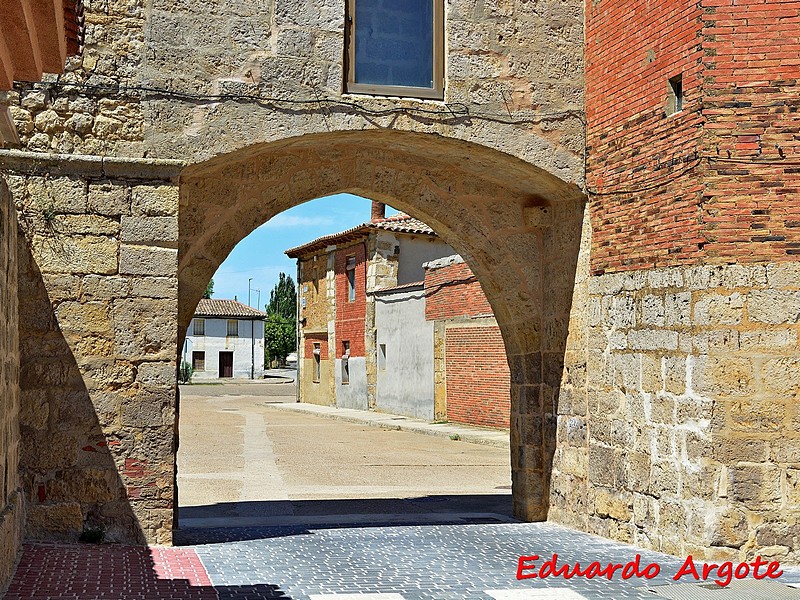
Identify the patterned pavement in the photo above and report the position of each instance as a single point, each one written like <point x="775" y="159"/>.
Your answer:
<point x="421" y="562"/>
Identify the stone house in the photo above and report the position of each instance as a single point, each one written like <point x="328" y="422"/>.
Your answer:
<point x="225" y="339"/>
<point x="621" y="176"/>
<point x="337" y="275"/>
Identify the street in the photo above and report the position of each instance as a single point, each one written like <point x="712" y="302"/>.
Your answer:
<point x="244" y="462"/>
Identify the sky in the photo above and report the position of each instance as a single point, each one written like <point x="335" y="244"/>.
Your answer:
<point x="260" y="255"/>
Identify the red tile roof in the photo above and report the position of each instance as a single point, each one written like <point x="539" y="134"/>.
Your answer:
<point x="402" y="286"/>
<point x="400" y="223"/>
<point x="226" y="308"/>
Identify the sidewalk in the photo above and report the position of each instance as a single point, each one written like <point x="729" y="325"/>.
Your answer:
<point x="463" y="433"/>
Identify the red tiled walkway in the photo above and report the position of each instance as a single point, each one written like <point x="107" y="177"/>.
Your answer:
<point x="82" y="572"/>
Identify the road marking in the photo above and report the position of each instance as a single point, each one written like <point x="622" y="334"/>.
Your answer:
<point x="260" y="476"/>
<point x="537" y="594"/>
<point x="356" y="597"/>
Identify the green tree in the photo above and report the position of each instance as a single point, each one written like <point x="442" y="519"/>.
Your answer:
<point x="279" y="339"/>
<point x="209" y="289"/>
<point x="283" y="298"/>
<point x="280" y="328"/>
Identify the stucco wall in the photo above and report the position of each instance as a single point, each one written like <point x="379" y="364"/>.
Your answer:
<point x="12" y="502"/>
<point x="354" y="393"/>
<point x="245" y="351"/>
<point x="414" y="252"/>
<point x="405" y="383"/>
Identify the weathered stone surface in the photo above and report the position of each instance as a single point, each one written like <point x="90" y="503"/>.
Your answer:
<point x="147" y="260"/>
<point x="77" y="254"/>
<point x="144" y="328"/>
<point x="63" y="521"/>
<point x="147" y="230"/>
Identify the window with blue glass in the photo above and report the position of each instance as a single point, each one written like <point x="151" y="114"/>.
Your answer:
<point x="396" y="47"/>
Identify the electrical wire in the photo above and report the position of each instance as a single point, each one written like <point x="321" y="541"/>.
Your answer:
<point x="455" y="111"/>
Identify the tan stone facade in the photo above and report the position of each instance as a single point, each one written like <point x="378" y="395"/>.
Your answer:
<point x="687" y="439"/>
<point x="12" y="505"/>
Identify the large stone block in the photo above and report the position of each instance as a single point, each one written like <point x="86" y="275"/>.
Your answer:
<point x="76" y="255"/>
<point x="773" y="306"/>
<point x="145" y="329"/>
<point x="754" y="485"/>
<point x="149" y="230"/>
<point x="63" y="521"/>
<point x="147" y="260"/>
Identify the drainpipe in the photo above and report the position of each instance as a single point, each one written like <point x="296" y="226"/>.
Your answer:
<point x="252" y="349"/>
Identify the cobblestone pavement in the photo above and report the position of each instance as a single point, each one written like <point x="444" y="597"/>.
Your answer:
<point x="438" y="562"/>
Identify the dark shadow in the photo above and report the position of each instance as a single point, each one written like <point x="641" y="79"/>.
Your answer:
<point x="239" y="521"/>
<point x="69" y="467"/>
<point x="75" y="572"/>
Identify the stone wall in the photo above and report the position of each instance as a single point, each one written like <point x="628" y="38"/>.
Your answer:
<point x="98" y="345"/>
<point x="688" y="442"/>
<point x="12" y="501"/>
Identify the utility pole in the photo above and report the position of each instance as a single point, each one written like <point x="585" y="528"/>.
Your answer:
<point x="252" y="348"/>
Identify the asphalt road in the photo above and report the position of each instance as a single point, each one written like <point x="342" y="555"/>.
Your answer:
<point x="243" y="463"/>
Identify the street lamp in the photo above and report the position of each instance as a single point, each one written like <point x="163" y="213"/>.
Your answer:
<point x="248" y="291"/>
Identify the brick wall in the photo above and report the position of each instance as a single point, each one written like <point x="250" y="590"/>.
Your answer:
<point x="478" y="379"/>
<point x="632" y="50"/>
<point x="316" y="338"/>
<point x="453" y="291"/>
<point x="714" y="181"/>
<point x="751" y="102"/>
<point x="350" y="316"/>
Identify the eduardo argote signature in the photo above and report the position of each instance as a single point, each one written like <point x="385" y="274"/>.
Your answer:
<point x="528" y="567"/>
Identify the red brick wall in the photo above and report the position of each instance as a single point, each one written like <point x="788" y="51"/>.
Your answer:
<point x="453" y="291"/>
<point x="350" y="316"/>
<point x="663" y="191"/>
<point x="752" y="104"/>
<point x="478" y="379"/>
<point x="633" y="48"/>
<point x="316" y="338"/>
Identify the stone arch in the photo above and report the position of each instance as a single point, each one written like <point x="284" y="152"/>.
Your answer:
<point x="518" y="227"/>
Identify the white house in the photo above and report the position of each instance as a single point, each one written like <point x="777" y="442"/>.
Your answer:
<point x="225" y="339"/>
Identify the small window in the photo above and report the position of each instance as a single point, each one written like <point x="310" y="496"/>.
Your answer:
<point x="317" y="363"/>
<point x="382" y="357"/>
<point x="198" y="361"/>
<point x="345" y="363"/>
<point x="675" y="95"/>
<point x="395" y="48"/>
<point x="233" y="328"/>
<point x="351" y="278"/>
<point x="199" y="327"/>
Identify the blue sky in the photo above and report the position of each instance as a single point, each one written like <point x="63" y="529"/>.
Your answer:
<point x="261" y="254"/>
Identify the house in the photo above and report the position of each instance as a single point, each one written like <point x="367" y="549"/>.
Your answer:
<point x="387" y="326"/>
<point x="440" y="354"/>
<point x="337" y="275"/>
<point x="225" y="339"/>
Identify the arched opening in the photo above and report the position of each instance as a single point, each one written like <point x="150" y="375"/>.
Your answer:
<point x="517" y="226"/>
<point x="251" y="455"/>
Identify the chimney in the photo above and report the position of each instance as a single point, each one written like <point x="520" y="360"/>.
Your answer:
<point x="378" y="211"/>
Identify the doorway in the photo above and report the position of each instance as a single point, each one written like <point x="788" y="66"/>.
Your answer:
<point x="225" y="364"/>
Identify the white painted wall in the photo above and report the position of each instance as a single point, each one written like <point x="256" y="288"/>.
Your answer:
<point x="405" y="380"/>
<point x="353" y="394"/>
<point x="216" y="340"/>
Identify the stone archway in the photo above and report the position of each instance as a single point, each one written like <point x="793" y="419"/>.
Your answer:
<point x="518" y="227"/>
